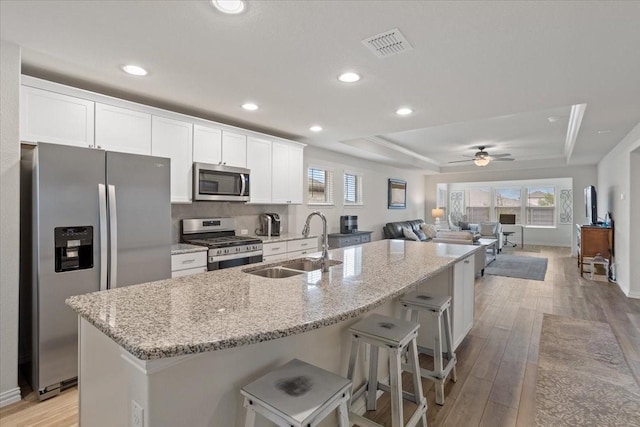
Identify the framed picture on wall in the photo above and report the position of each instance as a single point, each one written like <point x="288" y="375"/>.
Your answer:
<point x="397" y="194"/>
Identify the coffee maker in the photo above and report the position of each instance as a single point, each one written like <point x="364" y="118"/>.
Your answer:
<point x="269" y="224"/>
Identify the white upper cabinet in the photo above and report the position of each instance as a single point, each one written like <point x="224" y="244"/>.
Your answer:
<point x="287" y="173"/>
<point x="234" y="149"/>
<point x="219" y="147"/>
<point x="173" y="139"/>
<point x="207" y="145"/>
<point x="53" y="117"/>
<point x="259" y="162"/>
<point x="123" y="130"/>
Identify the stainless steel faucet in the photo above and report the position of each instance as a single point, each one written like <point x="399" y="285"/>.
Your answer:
<point x="325" y="237"/>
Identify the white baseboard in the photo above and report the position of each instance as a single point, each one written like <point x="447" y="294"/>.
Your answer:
<point x="10" y="396"/>
<point x="634" y="295"/>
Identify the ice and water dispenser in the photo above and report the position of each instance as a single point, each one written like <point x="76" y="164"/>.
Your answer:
<point x="74" y="248"/>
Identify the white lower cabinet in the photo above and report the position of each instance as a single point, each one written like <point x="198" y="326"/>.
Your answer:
<point x="280" y="251"/>
<point x="173" y="139"/>
<point x="463" y="298"/>
<point x="189" y="263"/>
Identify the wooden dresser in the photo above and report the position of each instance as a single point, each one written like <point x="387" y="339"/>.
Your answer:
<point x="593" y="240"/>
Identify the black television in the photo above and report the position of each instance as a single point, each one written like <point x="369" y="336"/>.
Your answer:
<point x="591" y="204"/>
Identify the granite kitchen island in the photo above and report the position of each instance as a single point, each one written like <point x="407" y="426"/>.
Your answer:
<point x="178" y="351"/>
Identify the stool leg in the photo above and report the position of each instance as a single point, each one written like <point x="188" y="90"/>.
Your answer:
<point x="403" y="312"/>
<point x="395" y="368"/>
<point x="343" y="413"/>
<point x="354" y="355"/>
<point x="447" y="334"/>
<point x="250" y="420"/>
<point x="372" y="388"/>
<point x="417" y="379"/>
<point x="437" y="358"/>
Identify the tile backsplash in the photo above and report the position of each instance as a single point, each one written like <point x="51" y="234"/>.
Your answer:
<point x="245" y="215"/>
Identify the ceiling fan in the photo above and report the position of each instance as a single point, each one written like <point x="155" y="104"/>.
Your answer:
<point x="482" y="158"/>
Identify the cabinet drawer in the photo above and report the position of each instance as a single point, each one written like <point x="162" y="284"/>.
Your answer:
<point x="274" y="248"/>
<point x="348" y="241"/>
<point x="275" y="258"/>
<point x="365" y="238"/>
<point x="189" y="261"/>
<point x="301" y="254"/>
<point x="303" y="244"/>
<point x="188" y="272"/>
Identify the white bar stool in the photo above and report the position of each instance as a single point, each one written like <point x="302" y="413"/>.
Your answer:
<point x="297" y="394"/>
<point x="438" y="306"/>
<point x="395" y="335"/>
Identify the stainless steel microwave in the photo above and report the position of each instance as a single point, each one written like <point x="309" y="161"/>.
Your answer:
<point x="220" y="183"/>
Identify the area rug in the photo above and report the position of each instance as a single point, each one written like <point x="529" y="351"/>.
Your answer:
<point x="522" y="267"/>
<point x="583" y="378"/>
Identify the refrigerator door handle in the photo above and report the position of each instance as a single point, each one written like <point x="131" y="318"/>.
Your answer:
<point x="102" y="205"/>
<point x="244" y="184"/>
<point x="113" y="234"/>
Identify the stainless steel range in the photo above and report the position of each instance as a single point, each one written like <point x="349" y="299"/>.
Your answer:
<point x="225" y="248"/>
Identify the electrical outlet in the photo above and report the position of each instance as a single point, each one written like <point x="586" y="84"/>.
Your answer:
<point x="137" y="415"/>
<point x="244" y="232"/>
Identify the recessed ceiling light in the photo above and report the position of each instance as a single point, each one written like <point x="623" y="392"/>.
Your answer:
<point x="604" y="131"/>
<point x="134" y="70"/>
<point x="250" y="106"/>
<point x="315" y="128"/>
<point x="553" y="119"/>
<point x="349" y="77"/>
<point x="404" y="111"/>
<point x="231" y="7"/>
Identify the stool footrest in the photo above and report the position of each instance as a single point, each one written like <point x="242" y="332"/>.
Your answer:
<point x="405" y="395"/>
<point x="437" y="376"/>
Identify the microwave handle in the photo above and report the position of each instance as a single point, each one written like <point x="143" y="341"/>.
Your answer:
<point x="244" y="184"/>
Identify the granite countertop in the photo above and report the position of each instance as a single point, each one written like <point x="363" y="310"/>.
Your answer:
<point x="230" y="308"/>
<point x="284" y="237"/>
<point x="185" y="248"/>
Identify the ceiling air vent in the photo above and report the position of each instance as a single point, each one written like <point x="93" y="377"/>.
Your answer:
<point x="389" y="43"/>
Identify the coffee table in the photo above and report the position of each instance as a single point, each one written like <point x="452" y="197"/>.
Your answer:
<point x="490" y="245"/>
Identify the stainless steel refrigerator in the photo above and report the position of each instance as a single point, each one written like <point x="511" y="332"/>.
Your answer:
<point x="99" y="220"/>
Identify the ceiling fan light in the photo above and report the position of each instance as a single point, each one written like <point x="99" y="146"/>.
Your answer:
<point x="482" y="161"/>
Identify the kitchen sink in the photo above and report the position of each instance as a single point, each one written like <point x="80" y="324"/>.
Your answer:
<point x="292" y="268"/>
<point x="275" y="272"/>
<point x="309" y="264"/>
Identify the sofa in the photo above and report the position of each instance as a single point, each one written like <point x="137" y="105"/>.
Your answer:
<point x="489" y="229"/>
<point x="394" y="230"/>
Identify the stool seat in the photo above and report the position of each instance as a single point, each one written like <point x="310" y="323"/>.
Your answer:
<point x="298" y="393"/>
<point x="392" y="331"/>
<point x="427" y="301"/>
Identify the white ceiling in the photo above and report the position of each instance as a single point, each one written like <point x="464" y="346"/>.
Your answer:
<point x="480" y="73"/>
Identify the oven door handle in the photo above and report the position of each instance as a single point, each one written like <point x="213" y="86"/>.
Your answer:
<point x="218" y="258"/>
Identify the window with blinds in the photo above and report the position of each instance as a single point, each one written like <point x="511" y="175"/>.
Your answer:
<point x="352" y="189"/>
<point x="320" y="188"/>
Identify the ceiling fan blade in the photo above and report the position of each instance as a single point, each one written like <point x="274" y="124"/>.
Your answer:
<point x="495" y="156"/>
<point x="462" y="161"/>
<point x="504" y="159"/>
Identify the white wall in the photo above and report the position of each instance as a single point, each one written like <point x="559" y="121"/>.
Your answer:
<point x="581" y="176"/>
<point x="9" y="220"/>
<point x="617" y="185"/>
<point x="374" y="214"/>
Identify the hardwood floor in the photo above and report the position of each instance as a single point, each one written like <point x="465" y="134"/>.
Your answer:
<point x="497" y="361"/>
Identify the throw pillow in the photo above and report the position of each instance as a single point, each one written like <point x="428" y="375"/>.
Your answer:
<point x="409" y="234"/>
<point x="488" y="228"/>
<point x="420" y="235"/>
<point x="463" y="225"/>
<point x="429" y="230"/>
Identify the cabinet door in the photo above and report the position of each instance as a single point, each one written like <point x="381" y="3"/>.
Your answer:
<point x="172" y="139"/>
<point x="462" y="299"/>
<point x="51" y="117"/>
<point x="259" y="161"/>
<point x="123" y="130"/>
<point x="296" y="174"/>
<point x="280" y="172"/>
<point x="207" y="145"/>
<point x="234" y="149"/>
